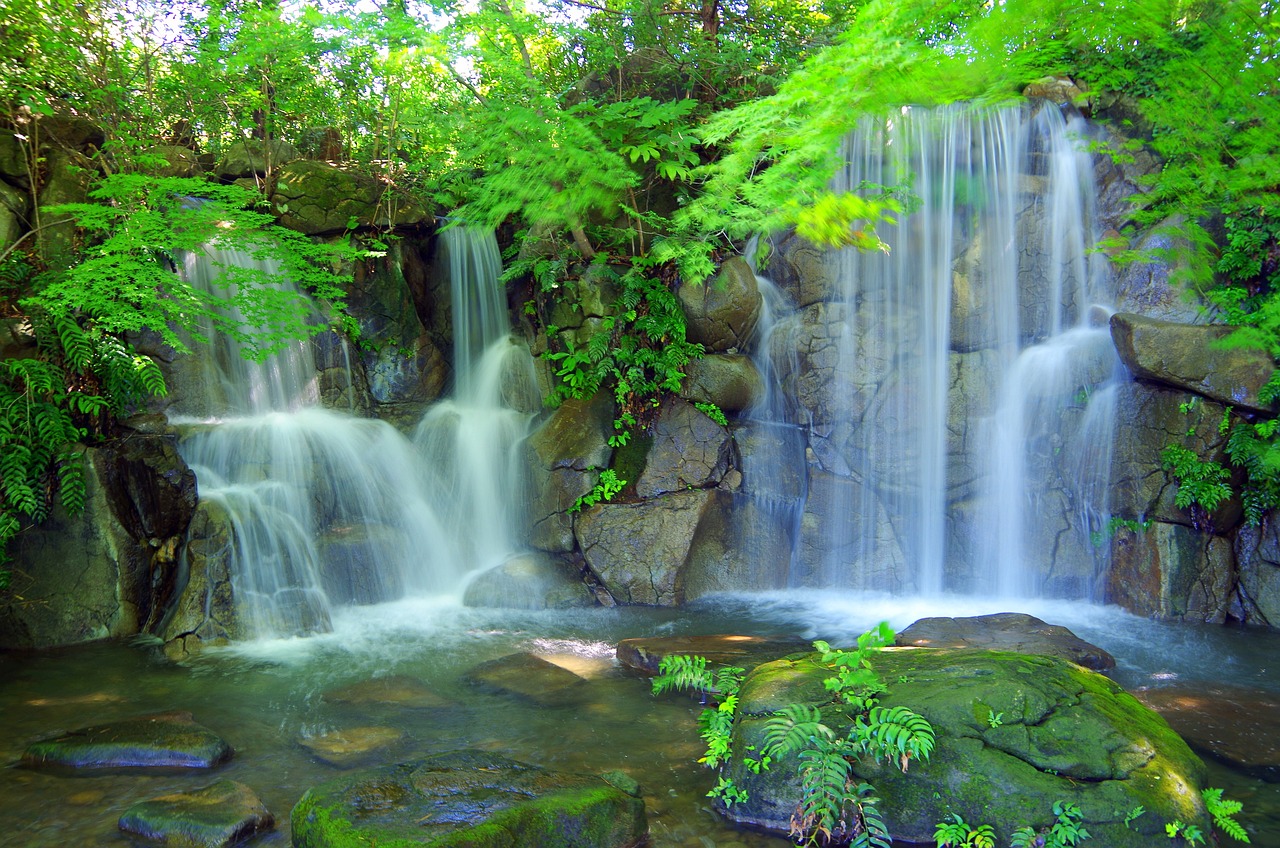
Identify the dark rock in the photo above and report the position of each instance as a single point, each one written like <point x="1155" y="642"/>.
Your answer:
<point x="802" y="270"/>
<point x="67" y="175"/>
<point x="468" y="799"/>
<point x="167" y="740"/>
<point x="1170" y="571"/>
<point x="1190" y="357"/>
<point x="351" y="746"/>
<point x="722" y="313"/>
<point x="1238" y="726"/>
<point x="216" y="816"/>
<point x="316" y="197"/>
<point x="1005" y="631"/>
<point x="847" y="538"/>
<point x="742" y="543"/>
<point x="1150" y="288"/>
<point x="204" y="613"/>
<point x="1257" y="552"/>
<point x="689" y="451"/>
<point x="528" y="581"/>
<point x="529" y="677"/>
<point x="730" y="381"/>
<point x="644" y="654"/>
<point x="638" y="551"/>
<point x="395" y="689"/>
<point x="14" y="205"/>
<point x="562" y="458"/>
<point x="1062" y="734"/>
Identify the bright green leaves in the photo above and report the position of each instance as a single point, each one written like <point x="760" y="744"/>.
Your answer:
<point x="845" y="220"/>
<point x="1224" y="812"/>
<point x="958" y="834"/>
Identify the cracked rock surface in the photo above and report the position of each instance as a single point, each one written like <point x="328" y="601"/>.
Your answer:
<point x="1015" y="733"/>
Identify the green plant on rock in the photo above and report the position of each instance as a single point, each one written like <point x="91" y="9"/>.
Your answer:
<point x="1191" y="834"/>
<point x="1067" y="830"/>
<point x="958" y="834"/>
<point x="690" y="673"/>
<point x="605" y="488"/>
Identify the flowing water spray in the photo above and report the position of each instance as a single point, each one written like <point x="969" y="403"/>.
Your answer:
<point x="326" y="509"/>
<point x="945" y="384"/>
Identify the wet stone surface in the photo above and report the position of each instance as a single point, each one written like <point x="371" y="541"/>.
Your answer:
<point x="644" y="654"/>
<point x="352" y="746"/>
<point x="218" y="815"/>
<point x="1005" y="631"/>
<point x="397" y="690"/>
<point x="1239" y="726"/>
<point x="163" y="741"/>
<point x="528" y="677"/>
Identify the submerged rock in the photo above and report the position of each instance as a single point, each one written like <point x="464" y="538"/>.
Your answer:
<point x="396" y="689"/>
<point x="1005" y="631"/>
<point x="468" y="799"/>
<point x="218" y="815"/>
<point x="1237" y="725"/>
<point x="528" y="581"/>
<point x="167" y="740"/>
<point x="351" y="746"/>
<point x="1014" y="734"/>
<point x="530" y="677"/>
<point x="644" y="654"/>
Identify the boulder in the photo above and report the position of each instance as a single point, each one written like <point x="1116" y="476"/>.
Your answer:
<point x="1005" y="631"/>
<point x="529" y="677"/>
<point x="14" y="206"/>
<point x="13" y="159"/>
<point x="743" y="543"/>
<point x="166" y="740"/>
<point x="204" y="611"/>
<point x="638" y="551"/>
<point x="67" y="174"/>
<point x="1192" y="358"/>
<point x="730" y="381"/>
<point x="1172" y="572"/>
<point x="1149" y="287"/>
<point x="166" y="160"/>
<point x="1015" y="734"/>
<point x="253" y="158"/>
<point x="847" y="539"/>
<point x="351" y="746"/>
<point x="1060" y="90"/>
<point x="468" y="799"/>
<point x="722" y="314"/>
<point x="219" y="815"/>
<point x="395" y="690"/>
<point x="316" y="197"/>
<point x="528" y="581"/>
<point x="689" y="451"/>
<point x="562" y="459"/>
<point x="802" y="270"/>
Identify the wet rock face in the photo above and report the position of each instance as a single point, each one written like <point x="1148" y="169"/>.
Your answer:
<point x="1171" y="571"/>
<point x="216" y="816"/>
<point x="723" y="312"/>
<point x="562" y="457"/>
<point x="1062" y="734"/>
<point x="530" y="678"/>
<point x="168" y="740"/>
<point x="689" y="451"/>
<point x="1190" y="357"/>
<point x="468" y="799"/>
<point x="1005" y="631"/>
<point x="529" y="581"/>
<point x="1257" y="599"/>
<point x="352" y="746"/>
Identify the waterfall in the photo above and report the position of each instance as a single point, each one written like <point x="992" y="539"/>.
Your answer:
<point x="327" y="509"/>
<point x="947" y="385"/>
<point x="469" y="441"/>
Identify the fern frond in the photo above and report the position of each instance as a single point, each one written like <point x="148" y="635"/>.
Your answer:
<point x="680" y="672"/>
<point x="793" y="728"/>
<point x="76" y="346"/>
<point x="895" y="733"/>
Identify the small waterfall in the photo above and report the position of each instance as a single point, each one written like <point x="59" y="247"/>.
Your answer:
<point x="946" y="386"/>
<point x="325" y="508"/>
<point x="468" y="442"/>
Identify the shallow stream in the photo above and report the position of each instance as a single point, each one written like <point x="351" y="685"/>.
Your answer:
<point x="263" y="697"/>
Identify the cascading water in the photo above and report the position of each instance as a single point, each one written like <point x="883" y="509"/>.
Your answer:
<point x="944" y="385"/>
<point x="469" y="441"/>
<point x="328" y="509"/>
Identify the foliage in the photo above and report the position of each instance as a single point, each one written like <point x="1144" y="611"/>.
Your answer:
<point x="1065" y="832"/>
<point x="637" y="354"/>
<point x="1201" y="483"/>
<point x="1189" y="832"/>
<point x="1224" y="812"/>
<point x="681" y="672"/>
<point x="605" y="488"/>
<point x="958" y="834"/>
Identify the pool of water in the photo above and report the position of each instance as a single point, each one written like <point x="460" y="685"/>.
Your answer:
<point x="264" y="697"/>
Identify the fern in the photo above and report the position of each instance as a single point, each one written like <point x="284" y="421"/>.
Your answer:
<point x="897" y="734"/>
<point x="680" y="672"/>
<point x="794" y="728"/>
<point x="1223" y="812"/>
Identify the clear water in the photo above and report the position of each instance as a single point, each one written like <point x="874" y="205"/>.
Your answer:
<point x="263" y="696"/>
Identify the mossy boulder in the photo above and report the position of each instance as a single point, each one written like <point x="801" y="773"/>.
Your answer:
<point x="216" y="816"/>
<point x="167" y="740"/>
<point x="1061" y="733"/>
<point x="468" y="799"/>
<point x="316" y="198"/>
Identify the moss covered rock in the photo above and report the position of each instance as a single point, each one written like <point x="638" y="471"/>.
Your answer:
<point x="166" y="740"/>
<point x="468" y="799"/>
<point x="216" y="816"/>
<point x="1015" y="733"/>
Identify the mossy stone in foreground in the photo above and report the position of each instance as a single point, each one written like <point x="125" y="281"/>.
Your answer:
<point x="1062" y="733"/>
<point x="167" y="740"/>
<point x="467" y="799"/>
<point x="213" y="817"/>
